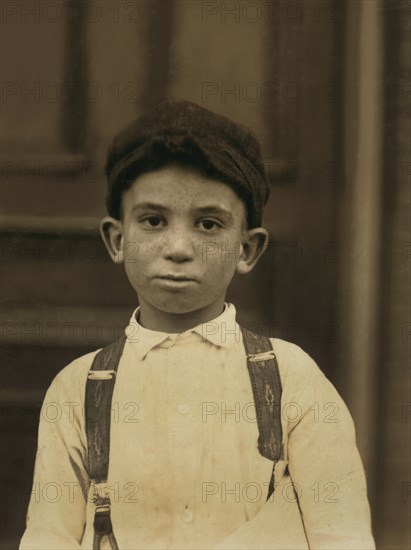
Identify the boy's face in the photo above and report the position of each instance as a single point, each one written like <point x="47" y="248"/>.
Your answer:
<point x="181" y="238"/>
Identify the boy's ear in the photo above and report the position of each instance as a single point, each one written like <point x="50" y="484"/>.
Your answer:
<point x="252" y="247"/>
<point x="111" y="231"/>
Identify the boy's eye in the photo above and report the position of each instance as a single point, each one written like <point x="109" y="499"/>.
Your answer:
<point x="153" y="221"/>
<point x="209" y="225"/>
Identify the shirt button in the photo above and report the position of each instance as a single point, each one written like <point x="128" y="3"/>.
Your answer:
<point x="188" y="516"/>
<point x="183" y="409"/>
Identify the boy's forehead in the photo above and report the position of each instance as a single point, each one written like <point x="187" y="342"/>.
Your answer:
<point x="184" y="185"/>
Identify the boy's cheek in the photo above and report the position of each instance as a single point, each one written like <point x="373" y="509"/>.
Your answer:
<point x="225" y="252"/>
<point x="142" y="245"/>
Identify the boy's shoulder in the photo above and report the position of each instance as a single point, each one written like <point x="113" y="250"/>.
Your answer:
<point x="304" y="384"/>
<point x="298" y="370"/>
<point x="293" y="358"/>
<point x="71" y="379"/>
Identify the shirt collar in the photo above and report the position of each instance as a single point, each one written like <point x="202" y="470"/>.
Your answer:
<point x="222" y="331"/>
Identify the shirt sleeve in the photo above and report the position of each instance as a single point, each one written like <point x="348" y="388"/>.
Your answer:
<point x="57" y="510"/>
<point x="325" y="466"/>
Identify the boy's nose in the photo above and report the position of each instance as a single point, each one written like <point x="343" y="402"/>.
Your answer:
<point x="180" y="246"/>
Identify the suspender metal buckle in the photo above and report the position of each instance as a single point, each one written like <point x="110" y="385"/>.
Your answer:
<point x="264" y="356"/>
<point x="101" y="374"/>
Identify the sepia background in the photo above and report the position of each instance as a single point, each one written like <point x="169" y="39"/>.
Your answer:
<point x="326" y="86"/>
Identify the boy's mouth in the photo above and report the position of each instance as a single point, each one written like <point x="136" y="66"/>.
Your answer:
<point x="174" y="281"/>
<point x="174" y="277"/>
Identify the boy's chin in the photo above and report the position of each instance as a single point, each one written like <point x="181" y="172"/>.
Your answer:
<point x="183" y="306"/>
<point x="179" y="308"/>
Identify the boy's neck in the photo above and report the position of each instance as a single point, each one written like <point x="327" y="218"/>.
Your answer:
<point x="175" y="323"/>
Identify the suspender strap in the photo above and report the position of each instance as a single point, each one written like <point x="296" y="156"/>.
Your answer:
<point x="266" y="384"/>
<point x="267" y="389"/>
<point x="99" y="394"/>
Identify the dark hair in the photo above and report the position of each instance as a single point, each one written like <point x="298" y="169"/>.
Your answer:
<point x="158" y="156"/>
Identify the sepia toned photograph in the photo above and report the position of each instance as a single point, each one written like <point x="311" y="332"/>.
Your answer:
<point x="205" y="274"/>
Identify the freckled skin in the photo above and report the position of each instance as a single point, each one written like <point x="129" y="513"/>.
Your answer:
<point x="180" y="226"/>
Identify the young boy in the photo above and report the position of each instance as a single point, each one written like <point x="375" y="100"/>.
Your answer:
<point x="186" y="194"/>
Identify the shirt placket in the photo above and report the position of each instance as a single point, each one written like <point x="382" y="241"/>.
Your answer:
<point x="185" y="436"/>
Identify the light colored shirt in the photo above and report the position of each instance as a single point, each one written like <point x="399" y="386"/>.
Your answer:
<point x="185" y="471"/>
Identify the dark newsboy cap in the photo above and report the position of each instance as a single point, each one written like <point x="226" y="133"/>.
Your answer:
<point x="181" y="130"/>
